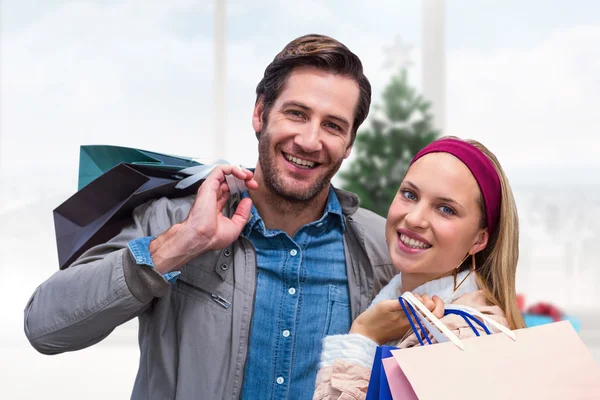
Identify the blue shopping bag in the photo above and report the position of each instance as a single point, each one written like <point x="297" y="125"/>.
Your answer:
<point x="379" y="388"/>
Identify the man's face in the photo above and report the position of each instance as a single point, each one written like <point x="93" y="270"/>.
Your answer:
<point x="306" y="134"/>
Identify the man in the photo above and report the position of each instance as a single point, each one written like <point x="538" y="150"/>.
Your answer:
<point x="234" y="293"/>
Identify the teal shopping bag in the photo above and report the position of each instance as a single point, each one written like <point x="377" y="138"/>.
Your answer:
<point x="95" y="160"/>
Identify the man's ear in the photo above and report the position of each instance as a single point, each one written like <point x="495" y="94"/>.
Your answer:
<point x="481" y="241"/>
<point x="348" y="151"/>
<point x="257" y="116"/>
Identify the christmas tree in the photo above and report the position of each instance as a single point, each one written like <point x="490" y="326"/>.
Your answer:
<point x="399" y="128"/>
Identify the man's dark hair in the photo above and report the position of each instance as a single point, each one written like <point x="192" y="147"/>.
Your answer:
<point x="320" y="52"/>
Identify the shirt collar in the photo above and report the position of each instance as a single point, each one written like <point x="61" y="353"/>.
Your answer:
<point x="254" y="218"/>
<point x="333" y="213"/>
<point x="333" y="207"/>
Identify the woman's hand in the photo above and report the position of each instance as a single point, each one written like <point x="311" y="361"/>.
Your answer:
<point x="433" y="304"/>
<point x="385" y="321"/>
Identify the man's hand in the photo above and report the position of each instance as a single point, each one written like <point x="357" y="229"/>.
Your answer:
<point x="205" y="228"/>
<point x="386" y="321"/>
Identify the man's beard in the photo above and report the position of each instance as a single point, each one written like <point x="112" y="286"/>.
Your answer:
<point x="274" y="181"/>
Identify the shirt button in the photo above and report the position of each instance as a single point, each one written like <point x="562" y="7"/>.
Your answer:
<point x="292" y="290"/>
<point x="279" y="380"/>
<point x="320" y="224"/>
<point x="293" y="252"/>
<point x="286" y="333"/>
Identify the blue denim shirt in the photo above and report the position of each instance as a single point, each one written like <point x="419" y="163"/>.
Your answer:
<point x="302" y="296"/>
<point x="140" y="250"/>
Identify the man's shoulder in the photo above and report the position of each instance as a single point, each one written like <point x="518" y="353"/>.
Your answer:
<point x="370" y="227"/>
<point x="164" y="212"/>
<point x="369" y="220"/>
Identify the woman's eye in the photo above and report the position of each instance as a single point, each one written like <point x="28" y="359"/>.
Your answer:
<point x="409" y="195"/>
<point x="447" y="210"/>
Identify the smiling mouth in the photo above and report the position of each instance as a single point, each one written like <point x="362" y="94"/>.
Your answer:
<point x="412" y="243"/>
<point x="299" y="162"/>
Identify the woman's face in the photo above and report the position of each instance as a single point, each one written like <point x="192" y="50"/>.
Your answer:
<point x="435" y="219"/>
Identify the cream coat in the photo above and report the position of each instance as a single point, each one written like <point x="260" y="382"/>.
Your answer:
<point x="346" y="360"/>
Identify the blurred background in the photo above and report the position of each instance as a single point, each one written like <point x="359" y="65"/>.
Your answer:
<point x="179" y="77"/>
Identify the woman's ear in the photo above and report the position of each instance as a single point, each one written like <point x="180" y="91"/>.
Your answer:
<point x="481" y="241"/>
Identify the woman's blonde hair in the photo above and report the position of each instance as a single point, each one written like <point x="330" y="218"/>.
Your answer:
<point x="497" y="264"/>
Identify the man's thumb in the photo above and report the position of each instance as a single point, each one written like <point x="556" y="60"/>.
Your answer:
<point x="242" y="213"/>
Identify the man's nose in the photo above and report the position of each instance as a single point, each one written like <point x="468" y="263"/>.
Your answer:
<point x="309" y="138"/>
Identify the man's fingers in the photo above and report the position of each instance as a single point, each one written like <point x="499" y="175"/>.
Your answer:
<point x="223" y="188"/>
<point x="217" y="177"/>
<point x="236" y="171"/>
<point x="222" y="196"/>
<point x="251" y="183"/>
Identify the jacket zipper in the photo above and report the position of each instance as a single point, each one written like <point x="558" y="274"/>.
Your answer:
<point x="216" y="298"/>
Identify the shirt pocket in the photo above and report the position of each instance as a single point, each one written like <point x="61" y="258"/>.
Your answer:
<point x="338" y="317"/>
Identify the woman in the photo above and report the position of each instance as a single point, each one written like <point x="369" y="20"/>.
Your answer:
<point x="452" y="233"/>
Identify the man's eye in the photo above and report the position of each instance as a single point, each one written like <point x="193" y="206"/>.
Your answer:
<point x="334" y="126"/>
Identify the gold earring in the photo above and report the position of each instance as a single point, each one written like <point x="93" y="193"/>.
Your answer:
<point x="473" y="266"/>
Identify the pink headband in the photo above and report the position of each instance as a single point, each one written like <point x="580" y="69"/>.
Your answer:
<point x="482" y="169"/>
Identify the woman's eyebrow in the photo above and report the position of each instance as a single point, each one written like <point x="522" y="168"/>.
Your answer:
<point x="440" y="198"/>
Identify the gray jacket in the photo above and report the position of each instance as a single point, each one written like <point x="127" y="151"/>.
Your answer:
<point x="194" y="335"/>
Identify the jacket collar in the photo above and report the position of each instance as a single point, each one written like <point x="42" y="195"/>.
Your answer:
<point x="348" y="200"/>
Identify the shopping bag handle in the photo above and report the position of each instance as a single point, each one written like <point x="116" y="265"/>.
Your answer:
<point x="199" y="172"/>
<point x="469" y="319"/>
<point x="406" y="306"/>
<point x="442" y="333"/>
<point x="489" y="322"/>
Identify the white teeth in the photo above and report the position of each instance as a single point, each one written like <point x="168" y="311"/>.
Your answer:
<point x="299" y="161"/>
<point x="410" y="242"/>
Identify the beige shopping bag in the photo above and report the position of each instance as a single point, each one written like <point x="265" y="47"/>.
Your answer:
<point x="543" y="362"/>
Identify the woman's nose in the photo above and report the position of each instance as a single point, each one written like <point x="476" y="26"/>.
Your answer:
<point x="417" y="217"/>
